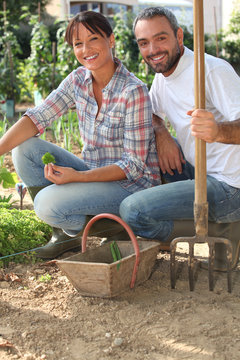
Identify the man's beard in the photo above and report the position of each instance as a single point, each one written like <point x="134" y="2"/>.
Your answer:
<point x="171" y="62"/>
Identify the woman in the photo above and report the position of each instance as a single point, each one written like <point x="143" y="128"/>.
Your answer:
<point x="115" y="121"/>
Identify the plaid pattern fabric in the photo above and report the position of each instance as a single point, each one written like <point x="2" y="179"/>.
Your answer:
<point x="119" y="133"/>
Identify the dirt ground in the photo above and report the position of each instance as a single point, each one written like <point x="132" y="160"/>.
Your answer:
<point x="51" y="320"/>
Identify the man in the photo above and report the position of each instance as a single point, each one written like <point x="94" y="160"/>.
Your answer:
<point x="155" y="213"/>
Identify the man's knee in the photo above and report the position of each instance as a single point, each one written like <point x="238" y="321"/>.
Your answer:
<point x="128" y="210"/>
<point x="124" y="210"/>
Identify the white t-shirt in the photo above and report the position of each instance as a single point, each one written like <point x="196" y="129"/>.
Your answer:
<point x="173" y="96"/>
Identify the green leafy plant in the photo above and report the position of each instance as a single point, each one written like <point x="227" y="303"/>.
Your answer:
<point x="4" y="124"/>
<point x="39" y="63"/>
<point x="5" y="201"/>
<point x="232" y="37"/>
<point x="145" y="73"/>
<point x="67" y="129"/>
<point x="48" y="158"/>
<point x="126" y="48"/>
<point x="7" y="179"/>
<point x="56" y="131"/>
<point x="66" y="60"/>
<point x="116" y="254"/>
<point x="21" y="230"/>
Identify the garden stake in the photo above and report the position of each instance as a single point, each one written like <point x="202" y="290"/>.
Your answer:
<point x="200" y="201"/>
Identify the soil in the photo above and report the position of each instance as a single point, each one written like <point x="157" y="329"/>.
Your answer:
<point x="51" y="320"/>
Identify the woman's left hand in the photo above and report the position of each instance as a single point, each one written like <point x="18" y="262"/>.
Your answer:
<point x="60" y="175"/>
<point x="63" y="175"/>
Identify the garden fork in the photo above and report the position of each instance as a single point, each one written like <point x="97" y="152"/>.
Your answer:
<point x="200" y="201"/>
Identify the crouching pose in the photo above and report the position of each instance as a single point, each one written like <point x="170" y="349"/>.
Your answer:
<point x="163" y="212"/>
<point x="119" y="156"/>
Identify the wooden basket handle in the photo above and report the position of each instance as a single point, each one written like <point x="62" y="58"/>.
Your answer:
<point x="130" y="233"/>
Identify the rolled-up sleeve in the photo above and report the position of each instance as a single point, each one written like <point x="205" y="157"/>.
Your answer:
<point x="54" y="106"/>
<point x="138" y="134"/>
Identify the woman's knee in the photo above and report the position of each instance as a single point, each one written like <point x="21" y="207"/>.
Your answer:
<point x="53" y="207"/>
<point x="20" y="151"/>
<point x="44" y="206"/>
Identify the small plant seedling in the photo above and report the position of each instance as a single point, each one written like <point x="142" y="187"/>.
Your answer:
<point x="45" y="278"/>
<point x="7" y="199"/>
<point x="48" y="158"/>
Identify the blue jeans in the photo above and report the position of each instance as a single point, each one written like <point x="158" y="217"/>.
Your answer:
<point x="64" y="206"/>
<point x="151" y="213"/>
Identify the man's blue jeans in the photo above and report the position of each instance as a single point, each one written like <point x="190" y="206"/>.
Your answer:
<point x="64" y="206"/>
<point x="151" y="213"/>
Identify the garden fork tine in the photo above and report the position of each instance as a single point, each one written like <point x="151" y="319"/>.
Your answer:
<point x="211" y="241"/>
<point x="200" y="202"/>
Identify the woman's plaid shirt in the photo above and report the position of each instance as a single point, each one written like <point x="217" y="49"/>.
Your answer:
<point x="119" y="133"/>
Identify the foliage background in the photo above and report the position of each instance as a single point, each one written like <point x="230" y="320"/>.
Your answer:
<point x="38" y="67"/>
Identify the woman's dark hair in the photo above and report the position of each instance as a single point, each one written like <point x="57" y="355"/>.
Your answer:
<point x="93" y="21"/>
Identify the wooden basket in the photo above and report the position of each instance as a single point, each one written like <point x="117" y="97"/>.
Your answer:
<point x="93" y="272"/>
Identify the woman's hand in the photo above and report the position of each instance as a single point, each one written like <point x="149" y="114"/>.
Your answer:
<point x="61" y="175"/>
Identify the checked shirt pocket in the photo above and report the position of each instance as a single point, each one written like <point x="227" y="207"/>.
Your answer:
<point x="112" y="128"/>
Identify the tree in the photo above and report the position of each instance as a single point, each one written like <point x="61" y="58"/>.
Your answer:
<point x="23" y="30"/>
<point x="9" y="64"/>
<point x="126" y="48"/>
<point x="66" y="60"/>
<point x="15" y="8"/>
<point x="232" y="42"/>
<point x="39" y="63"/>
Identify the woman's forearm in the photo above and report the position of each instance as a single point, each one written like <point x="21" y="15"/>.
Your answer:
<point x="22" y="130"/>
<point x="106" y="173"/>
<point x="63" y="175"/>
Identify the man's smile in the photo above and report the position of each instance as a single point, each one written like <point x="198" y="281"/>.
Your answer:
<point x="156" y="58"/>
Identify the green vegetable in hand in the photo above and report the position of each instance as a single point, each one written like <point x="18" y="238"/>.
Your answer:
<point x="48" y="158"/>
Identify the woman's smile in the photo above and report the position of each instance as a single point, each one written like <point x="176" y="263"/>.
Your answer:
<point x="91" y="57"/>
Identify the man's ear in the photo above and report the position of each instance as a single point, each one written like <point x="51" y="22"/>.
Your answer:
<point x="180" y="36"/>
